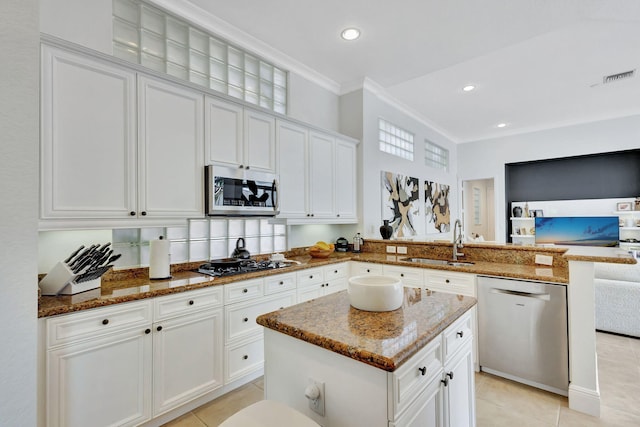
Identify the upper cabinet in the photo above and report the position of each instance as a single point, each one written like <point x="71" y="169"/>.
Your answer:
<point x="317" y="176"/>
<point x="101" y="160"/>
<point x="239" y="137"/>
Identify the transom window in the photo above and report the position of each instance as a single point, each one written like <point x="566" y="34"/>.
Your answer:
<point x="146" y="35"/>
<point x="436" y="156"/>
<point x="394" y="140"/>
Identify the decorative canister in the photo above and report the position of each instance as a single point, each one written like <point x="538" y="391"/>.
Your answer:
<point x="386" y="231"/>
<point x="517" y="211"/>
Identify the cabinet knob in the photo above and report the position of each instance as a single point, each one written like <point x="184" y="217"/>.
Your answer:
<point x="246" y="319"/>
<point x="143" y="213"/>
<point x="247" y="167"/>
<point x="446" y="281"/>
<point x="335" y="271"/>
<point x="244" y="291"/>
<point x="105" y="322"/>
<point x="308" y="214"/>
<point x="338" y="215"/>
<point x="311" y="277"/>
<point x="401" y="274"/>
<point x="281" y="283"/>
<point x="445" y="381"/>
<point x="449" y="374"/>
<point x="147" y="331"/>
<point x="159" y="328"/>
<point x="312" y="214"/>
<point x="241" y="166"/>
<point x="132" y="213"/>
<point x="423" y="370"/>
<point x="245" y="357"/>
<point x="368" y="271"/>
<point x="190" y="302"/>
<point x="322" y="286"/>
<point x="460" y="334"/>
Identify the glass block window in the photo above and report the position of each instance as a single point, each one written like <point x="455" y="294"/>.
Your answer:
<point x="394" y="140"/>
<point x="436" y="156"/>
<point x="145" y="35"/>
<point x="476" y="206"/>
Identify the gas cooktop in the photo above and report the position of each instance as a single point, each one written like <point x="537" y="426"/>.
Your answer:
<point x="230" y="266"/>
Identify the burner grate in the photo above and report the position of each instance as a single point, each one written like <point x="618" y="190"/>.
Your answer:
<point x="217" y="268"/>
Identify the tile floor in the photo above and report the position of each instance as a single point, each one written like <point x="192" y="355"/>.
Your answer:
<point x="501" y="402"/>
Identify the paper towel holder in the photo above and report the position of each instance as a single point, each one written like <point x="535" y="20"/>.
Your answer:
<point x="159" y="259"/>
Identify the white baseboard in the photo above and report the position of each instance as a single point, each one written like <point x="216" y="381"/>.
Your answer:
<point x="584" y="400"/>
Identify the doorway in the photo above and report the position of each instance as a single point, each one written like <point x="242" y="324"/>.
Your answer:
<point x="478" y="203"/>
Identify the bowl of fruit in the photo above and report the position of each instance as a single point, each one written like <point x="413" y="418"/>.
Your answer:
<point x="321" y="250"/>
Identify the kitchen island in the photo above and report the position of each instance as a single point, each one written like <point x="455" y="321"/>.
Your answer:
<point x="411" y="365"/>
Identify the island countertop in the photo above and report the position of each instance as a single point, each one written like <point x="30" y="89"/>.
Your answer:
<point x="381" y="339"/>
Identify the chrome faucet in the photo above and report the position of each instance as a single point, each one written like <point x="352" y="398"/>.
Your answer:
<point x="457" y="239"/>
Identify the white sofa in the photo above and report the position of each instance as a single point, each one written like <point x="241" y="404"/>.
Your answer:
<point x="617" y="298"/>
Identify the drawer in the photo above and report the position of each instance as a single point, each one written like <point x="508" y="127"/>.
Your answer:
<point x="310" y="276"/>
<point x="243" y="358"/>
<point x="456" y="335"/>
<point x="409" y="276"/>
<point x="243" y="291"/>
<point x="336" y="271"/>
<point x="408" y="381"/>
<point x="187" y="302"/>
<point x="240" y="319"/>
<point x="457" y="283"/>
<point x="279" y="283"/>
<point x="310" y="292"/>
<point x="336" y="285"/>
<point x="97" y="322"/>
<point x="361" y="268"/>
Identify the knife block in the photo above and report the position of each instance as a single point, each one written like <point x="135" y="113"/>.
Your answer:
<point x="61" y="281"/>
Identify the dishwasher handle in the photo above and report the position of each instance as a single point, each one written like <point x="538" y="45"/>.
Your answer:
<point x="545" y="297"/>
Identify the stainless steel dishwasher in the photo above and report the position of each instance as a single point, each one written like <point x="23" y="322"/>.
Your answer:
<point x="523" y="332"/>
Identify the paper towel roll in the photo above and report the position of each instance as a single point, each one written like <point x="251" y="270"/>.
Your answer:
<point x="159" y="256"/>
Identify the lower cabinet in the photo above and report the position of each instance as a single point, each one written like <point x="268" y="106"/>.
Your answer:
<point x="320" y="281"/>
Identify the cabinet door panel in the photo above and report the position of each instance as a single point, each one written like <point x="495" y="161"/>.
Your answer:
<point x="459" y="393"/>
<point x="187" y="358"/>
<point x="260" y="137"/>
<point x="345" y="180"/>
<point x="171" y="150"/>
<point x="102" y="382"/>
<point x="321" y="175"/>
<point x="292" y="170"/>
<point x="88" y="138"/>
<point x="223" y="132"/>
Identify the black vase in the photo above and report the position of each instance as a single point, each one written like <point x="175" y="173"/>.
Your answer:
<point x="517" y="212"/>
<point x="386" y="230"/>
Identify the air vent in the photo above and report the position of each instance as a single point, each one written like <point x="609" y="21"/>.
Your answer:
<point x="615" y="77"/>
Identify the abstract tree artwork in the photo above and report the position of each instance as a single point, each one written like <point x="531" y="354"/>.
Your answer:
<point x="437" y="212"/>
<point x="400" y="205"/>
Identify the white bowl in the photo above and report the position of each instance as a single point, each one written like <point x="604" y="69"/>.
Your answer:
<point x="375" y="293"/>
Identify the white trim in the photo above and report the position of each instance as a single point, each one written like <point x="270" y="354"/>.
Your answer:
<point x="584" y="400"/>
<point x="234" y="35"/>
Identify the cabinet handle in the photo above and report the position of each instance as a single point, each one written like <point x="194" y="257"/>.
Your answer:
<point x="312" y="214"/>
<point x="423" y="370"/>
<point x="445" y="381"/>
<point x="147" y="331"/>
<point x="368" y="271"/>
<point x="241" y="166"/>
<point x="159" y="328"/>
<point x="449" y="374"/>
<point x="132" y="213"/>
<point x="281" y="283"/>
<point x="281" y="308"/>
<point x="460" y="334"/>
<point x="190" y="302"/>
<point x="247" y="167"/>
<point x="308" y="214"/>
<point x="335" y="271"/>
<point x="338" y="215"/>
<point x="105" y="322"/>
<point x="246" y="319"/>
<point x="244" y="291"/>
<point x="311" y="277"/>
<point x="143" y="213"/>
<point x="401" y="274"/>
<point x="245" y="357"/>
<point x="446" y="281"/>
<point x="327" y="285"/>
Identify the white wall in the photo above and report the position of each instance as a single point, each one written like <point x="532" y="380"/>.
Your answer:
<point x="312" y="104"/>
<point x="19" y="37"/>
<point x="486" y="159"/>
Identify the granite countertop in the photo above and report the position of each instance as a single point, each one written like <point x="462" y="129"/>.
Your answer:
<point x="384" y="340"/>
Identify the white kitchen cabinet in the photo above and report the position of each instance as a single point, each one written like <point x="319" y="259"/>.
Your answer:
<point x="170" y="150"/>
<point x="346" y="183"/>
<point x="187" y="347"/>
<point x="292" y="145"/>
<point x="322" y="176"/>
<point x="88" y="137"/>
<point x="451" y="282"/>
<point x="104" y="159"/>
<point x="362" y="268"/>
<point x="239" y="137"/>
<point x="410" y="276"/>
<point x="98" y="367"/>
<point x="320" y="281"/>
<point x="458" y="379"/>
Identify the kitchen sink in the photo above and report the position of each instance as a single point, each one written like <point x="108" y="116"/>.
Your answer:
<point x="430" y="261"/>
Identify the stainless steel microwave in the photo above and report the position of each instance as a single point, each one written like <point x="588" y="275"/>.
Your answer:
<point x="240" y="192"/>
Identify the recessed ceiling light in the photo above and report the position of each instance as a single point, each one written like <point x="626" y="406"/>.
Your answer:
<point x="501" y="125"/>
<point x="468" y="88"/>
<point x="350" y="33"/>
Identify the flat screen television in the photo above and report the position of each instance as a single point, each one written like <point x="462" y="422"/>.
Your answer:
<point x="578" y="230"/>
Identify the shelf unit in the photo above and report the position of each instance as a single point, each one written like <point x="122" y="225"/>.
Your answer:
<point x="627" y="231"/>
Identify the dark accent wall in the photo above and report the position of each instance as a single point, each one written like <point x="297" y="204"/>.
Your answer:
<point x="597" y="176"/>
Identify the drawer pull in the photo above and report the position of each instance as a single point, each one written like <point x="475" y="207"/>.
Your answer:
<point x="449" y="374"/>
<point x="281" y="308"/>
<point x="105" y="322"/>
<point x="281" y="283"/>
<point x="368" y="271"/>
<point x="401" y="274"/>
<point x="423" y="370"/>
<point x="445" y="381"/>
<point x="159" y="328"/>
<point x="147" y="331"/>
<point x="446" y="281"/>
<point x="335" y="271"/>
<point x="311" y="277"/>
<point x="460" y="334"/>
<point x="190" y="302"/>
<point x="245" y="290"/>
<point x="245" y="357"/>
<point x="246" y="319"/>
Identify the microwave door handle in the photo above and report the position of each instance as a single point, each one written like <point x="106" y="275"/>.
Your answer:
<point x="274" y="192"/>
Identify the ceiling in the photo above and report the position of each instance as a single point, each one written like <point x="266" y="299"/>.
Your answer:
<point x="536" y="64"/>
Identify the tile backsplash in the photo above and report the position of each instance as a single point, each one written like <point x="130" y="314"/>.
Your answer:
<point x="200" y="240"/>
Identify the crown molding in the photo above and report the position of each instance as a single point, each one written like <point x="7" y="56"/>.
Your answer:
<point x="233" y="35"/>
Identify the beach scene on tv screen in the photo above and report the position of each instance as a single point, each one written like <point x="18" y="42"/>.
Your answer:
<point x="580" y="231"/>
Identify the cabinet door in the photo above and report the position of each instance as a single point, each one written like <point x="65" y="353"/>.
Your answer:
<point x="459" y="395"/>
<point x="321" y="175"/>
<point x="100" y="382"/>
<point x="426" y="410"/>
<point x="88" y="138"/>
<point x="223" y="132"/>
<point x="346" y="186"/>
<point x="260" y="141"/>
<point x="187" y="358"/>
<point x="170" y="150"/>
<point x="292" y="169"/>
